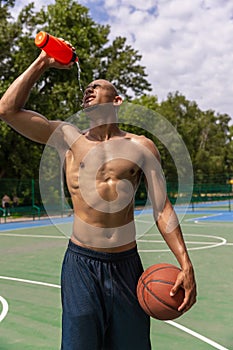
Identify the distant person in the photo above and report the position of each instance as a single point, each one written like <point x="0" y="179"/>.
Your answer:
<point x="15" y="201"/>
<point x="6" y="204"/>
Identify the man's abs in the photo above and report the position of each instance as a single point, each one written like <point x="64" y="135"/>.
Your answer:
<point x="110" y="239"/>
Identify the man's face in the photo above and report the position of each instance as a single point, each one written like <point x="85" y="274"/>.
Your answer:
<point x="99" y="92"/>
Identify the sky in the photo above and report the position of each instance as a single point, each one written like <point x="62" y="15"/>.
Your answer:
<point x="186" y="45"/>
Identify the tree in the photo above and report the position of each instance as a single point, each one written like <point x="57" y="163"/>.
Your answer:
<point x="206" y="134"/>
<point x="120" y="64"/>
<point x="212" y="157"/>
<point x="57" y="94"/>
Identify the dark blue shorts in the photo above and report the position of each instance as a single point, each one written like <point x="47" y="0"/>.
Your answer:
<point x="100" y="308"/>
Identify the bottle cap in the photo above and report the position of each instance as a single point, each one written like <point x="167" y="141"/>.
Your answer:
<point x="41" y="39"/>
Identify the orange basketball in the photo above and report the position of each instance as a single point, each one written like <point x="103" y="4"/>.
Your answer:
<point x="153" y="292"/>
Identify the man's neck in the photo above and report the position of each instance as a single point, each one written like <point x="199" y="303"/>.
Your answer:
<point x="104" y="132"/>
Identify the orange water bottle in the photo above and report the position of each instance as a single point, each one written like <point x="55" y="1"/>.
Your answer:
<point x="55" y="48"/>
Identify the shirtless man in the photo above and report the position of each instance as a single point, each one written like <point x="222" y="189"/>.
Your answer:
<point x="103" y="168"/>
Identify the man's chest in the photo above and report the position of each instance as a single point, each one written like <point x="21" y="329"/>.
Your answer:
<point x="103" y="165"/>
<point x="116" y="158"/>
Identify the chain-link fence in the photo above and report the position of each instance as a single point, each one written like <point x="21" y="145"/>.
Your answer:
<point x="22" y="198"/>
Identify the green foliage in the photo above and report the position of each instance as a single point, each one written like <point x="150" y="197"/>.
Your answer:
<point x="57" y="95"/>
<point x="120" y="65"/>
<point x="208" y="136"/>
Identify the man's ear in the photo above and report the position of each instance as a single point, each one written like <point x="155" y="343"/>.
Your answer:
<point x="117" y="101"/>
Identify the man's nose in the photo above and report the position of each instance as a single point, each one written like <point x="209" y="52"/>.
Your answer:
<point x="89" y="89"/>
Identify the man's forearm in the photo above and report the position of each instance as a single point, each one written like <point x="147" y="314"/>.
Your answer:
<point x="169" y="227"/>
<point x="175" y="241"/>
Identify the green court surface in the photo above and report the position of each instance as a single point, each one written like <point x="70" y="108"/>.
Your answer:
<point x="30" y="308"/>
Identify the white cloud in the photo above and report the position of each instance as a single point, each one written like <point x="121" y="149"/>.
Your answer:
<point x="186" y="45"/>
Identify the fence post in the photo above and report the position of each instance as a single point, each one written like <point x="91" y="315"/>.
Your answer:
<point x="33" y="192"/>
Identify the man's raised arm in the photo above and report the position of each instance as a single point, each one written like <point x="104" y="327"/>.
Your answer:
<point x="28" y="123"/>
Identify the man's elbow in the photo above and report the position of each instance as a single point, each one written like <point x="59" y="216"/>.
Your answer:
<point x="6" y="112"/>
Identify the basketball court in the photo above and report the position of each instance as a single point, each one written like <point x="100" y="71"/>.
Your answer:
<point x="31" y="255"/>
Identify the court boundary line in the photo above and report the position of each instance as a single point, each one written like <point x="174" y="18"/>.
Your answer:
<point x="203" y="217"/>
<point x="45" y="284"/>
<point x="197" y="335"/>
<point x="30" y="236"/>
<point x="207" y="245"/>
<point x="5" y="308"/>
<point x="172" y="323"/>
<point x="222" y="242"/>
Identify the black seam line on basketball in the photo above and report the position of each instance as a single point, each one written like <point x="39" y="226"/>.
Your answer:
<point x="161" y="281"/>
<point x="162" y="268"/>
<point x="151" y="313"/>
<point x="161" y="301"/>
<point x="142" y="296"/>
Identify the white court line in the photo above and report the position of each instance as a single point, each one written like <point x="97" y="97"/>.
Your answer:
<point x="5" y="308"/>
<point x="222" y="241"/>
<point x="197" y="335"/>
<point x="184" y="329"/>
<point x="161" y="241"/>
<point x="203" y="217"/>
<point x="139" y="240"/>
<point x="144" y="221"/>
<point x="30" y="281"/>
<point x="206" y="245"/>
<point x="31" y="236"/>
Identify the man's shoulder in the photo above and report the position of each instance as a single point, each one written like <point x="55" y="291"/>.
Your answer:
<point x="140" y="139"/>
<point x="70" y="132"/>
<point x="64" y="135"/>
<point x="146" y="143"/>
